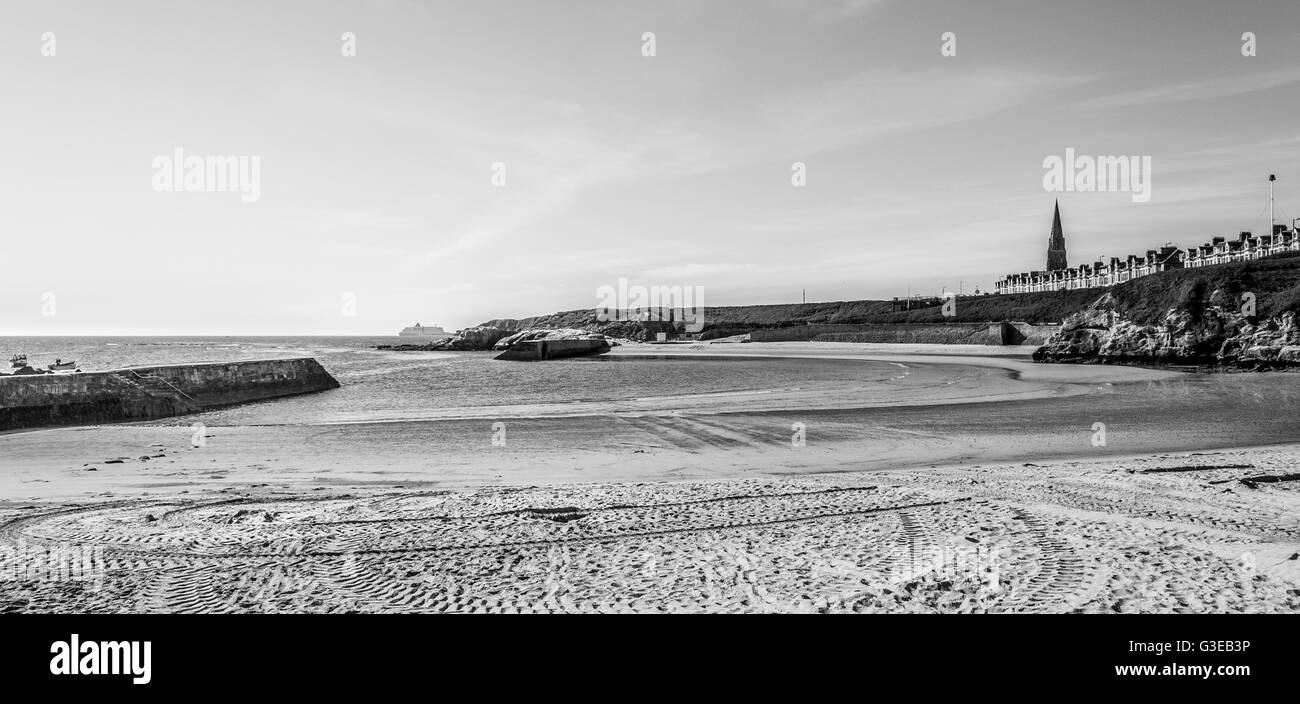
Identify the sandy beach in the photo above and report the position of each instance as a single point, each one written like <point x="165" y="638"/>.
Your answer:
<point x="979" y="485"/>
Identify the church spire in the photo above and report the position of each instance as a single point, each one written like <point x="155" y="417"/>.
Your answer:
<point x="1056" y="243"/>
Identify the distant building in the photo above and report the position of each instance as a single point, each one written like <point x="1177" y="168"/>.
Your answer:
<point x="1056" y="259"/>
<point x="915" y="302"/>
<point x="1246" y="246"/>
<point x="419" y="330"/>
<point x="1218" y="251"/>
<point x="1059" y="277"/>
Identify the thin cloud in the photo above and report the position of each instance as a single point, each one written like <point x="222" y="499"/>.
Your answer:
<point x="830" y="10"/>
<point x="1208" y="89"/>
<point x="887" y="103"/>
<point x="685" y="271"/>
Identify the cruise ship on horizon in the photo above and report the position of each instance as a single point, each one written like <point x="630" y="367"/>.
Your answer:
<point x="419" y="330"/>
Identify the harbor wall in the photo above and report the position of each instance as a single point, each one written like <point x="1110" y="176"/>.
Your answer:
<point x="143" y="393"/>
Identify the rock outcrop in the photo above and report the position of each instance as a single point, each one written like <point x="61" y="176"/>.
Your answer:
<point x="1166" y="317"/>
<point x="1214" y="332"/>
<point x="478" y="338"/>
<point x="503" y="335"/>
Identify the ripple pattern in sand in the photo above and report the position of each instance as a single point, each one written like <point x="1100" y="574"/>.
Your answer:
<point x="939" y="540"/>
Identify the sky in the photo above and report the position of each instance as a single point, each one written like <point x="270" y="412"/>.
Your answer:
<point x="377" y="205"/>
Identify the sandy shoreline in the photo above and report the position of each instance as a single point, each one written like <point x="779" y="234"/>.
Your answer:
<point x="1015" y="359"/>
<point x="941" y="409"/>
<point x="690" y="503"/>
<point x="1100" y="536"/>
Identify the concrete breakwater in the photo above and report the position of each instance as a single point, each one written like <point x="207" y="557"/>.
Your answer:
<point x="142" y="393"/>
<point x="536" y="350"/>
<point x="532" y="345"/>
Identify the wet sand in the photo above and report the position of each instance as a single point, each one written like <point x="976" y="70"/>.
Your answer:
<point x="986" y="449"/>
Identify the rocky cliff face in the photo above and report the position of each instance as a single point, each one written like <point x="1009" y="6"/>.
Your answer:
<point x="585" y="321"/>
<point x="478" y="338"/>
<point x="481" y="337"/>
<point x="1213" y="332"/>
<point x="581" y="322"/>
<point x="499" y="335"/>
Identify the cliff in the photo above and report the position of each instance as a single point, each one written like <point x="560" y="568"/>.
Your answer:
<point x="721" y="321"/>
<point x="724" y="321"/>
<point x="1240" y="315"/>
<point x="1143" y="303"/>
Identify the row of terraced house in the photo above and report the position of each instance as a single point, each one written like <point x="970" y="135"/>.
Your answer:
<point x="1099" y="273"/>
<point x="1058" y="276"/>
<point x="1246" y="246"/>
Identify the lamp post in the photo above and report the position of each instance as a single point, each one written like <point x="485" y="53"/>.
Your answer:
<point x="1271" y="179"/>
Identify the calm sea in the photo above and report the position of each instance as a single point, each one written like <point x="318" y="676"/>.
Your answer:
<point x="386" y="385"/>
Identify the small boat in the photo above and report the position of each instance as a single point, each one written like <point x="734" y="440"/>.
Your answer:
<point x="18" y="361"/>
<point x="60" y="365"/>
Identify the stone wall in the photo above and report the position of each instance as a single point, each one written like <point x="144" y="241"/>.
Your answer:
<point x="802" y="333"/>
<point x="142" y="393"/>
<point x="1000" y="333"/>
<point x="901" y="333"/>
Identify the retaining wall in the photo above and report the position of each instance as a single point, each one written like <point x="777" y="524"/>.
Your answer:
<point x="996" y="333"/>
<point x="915" y="333"/>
